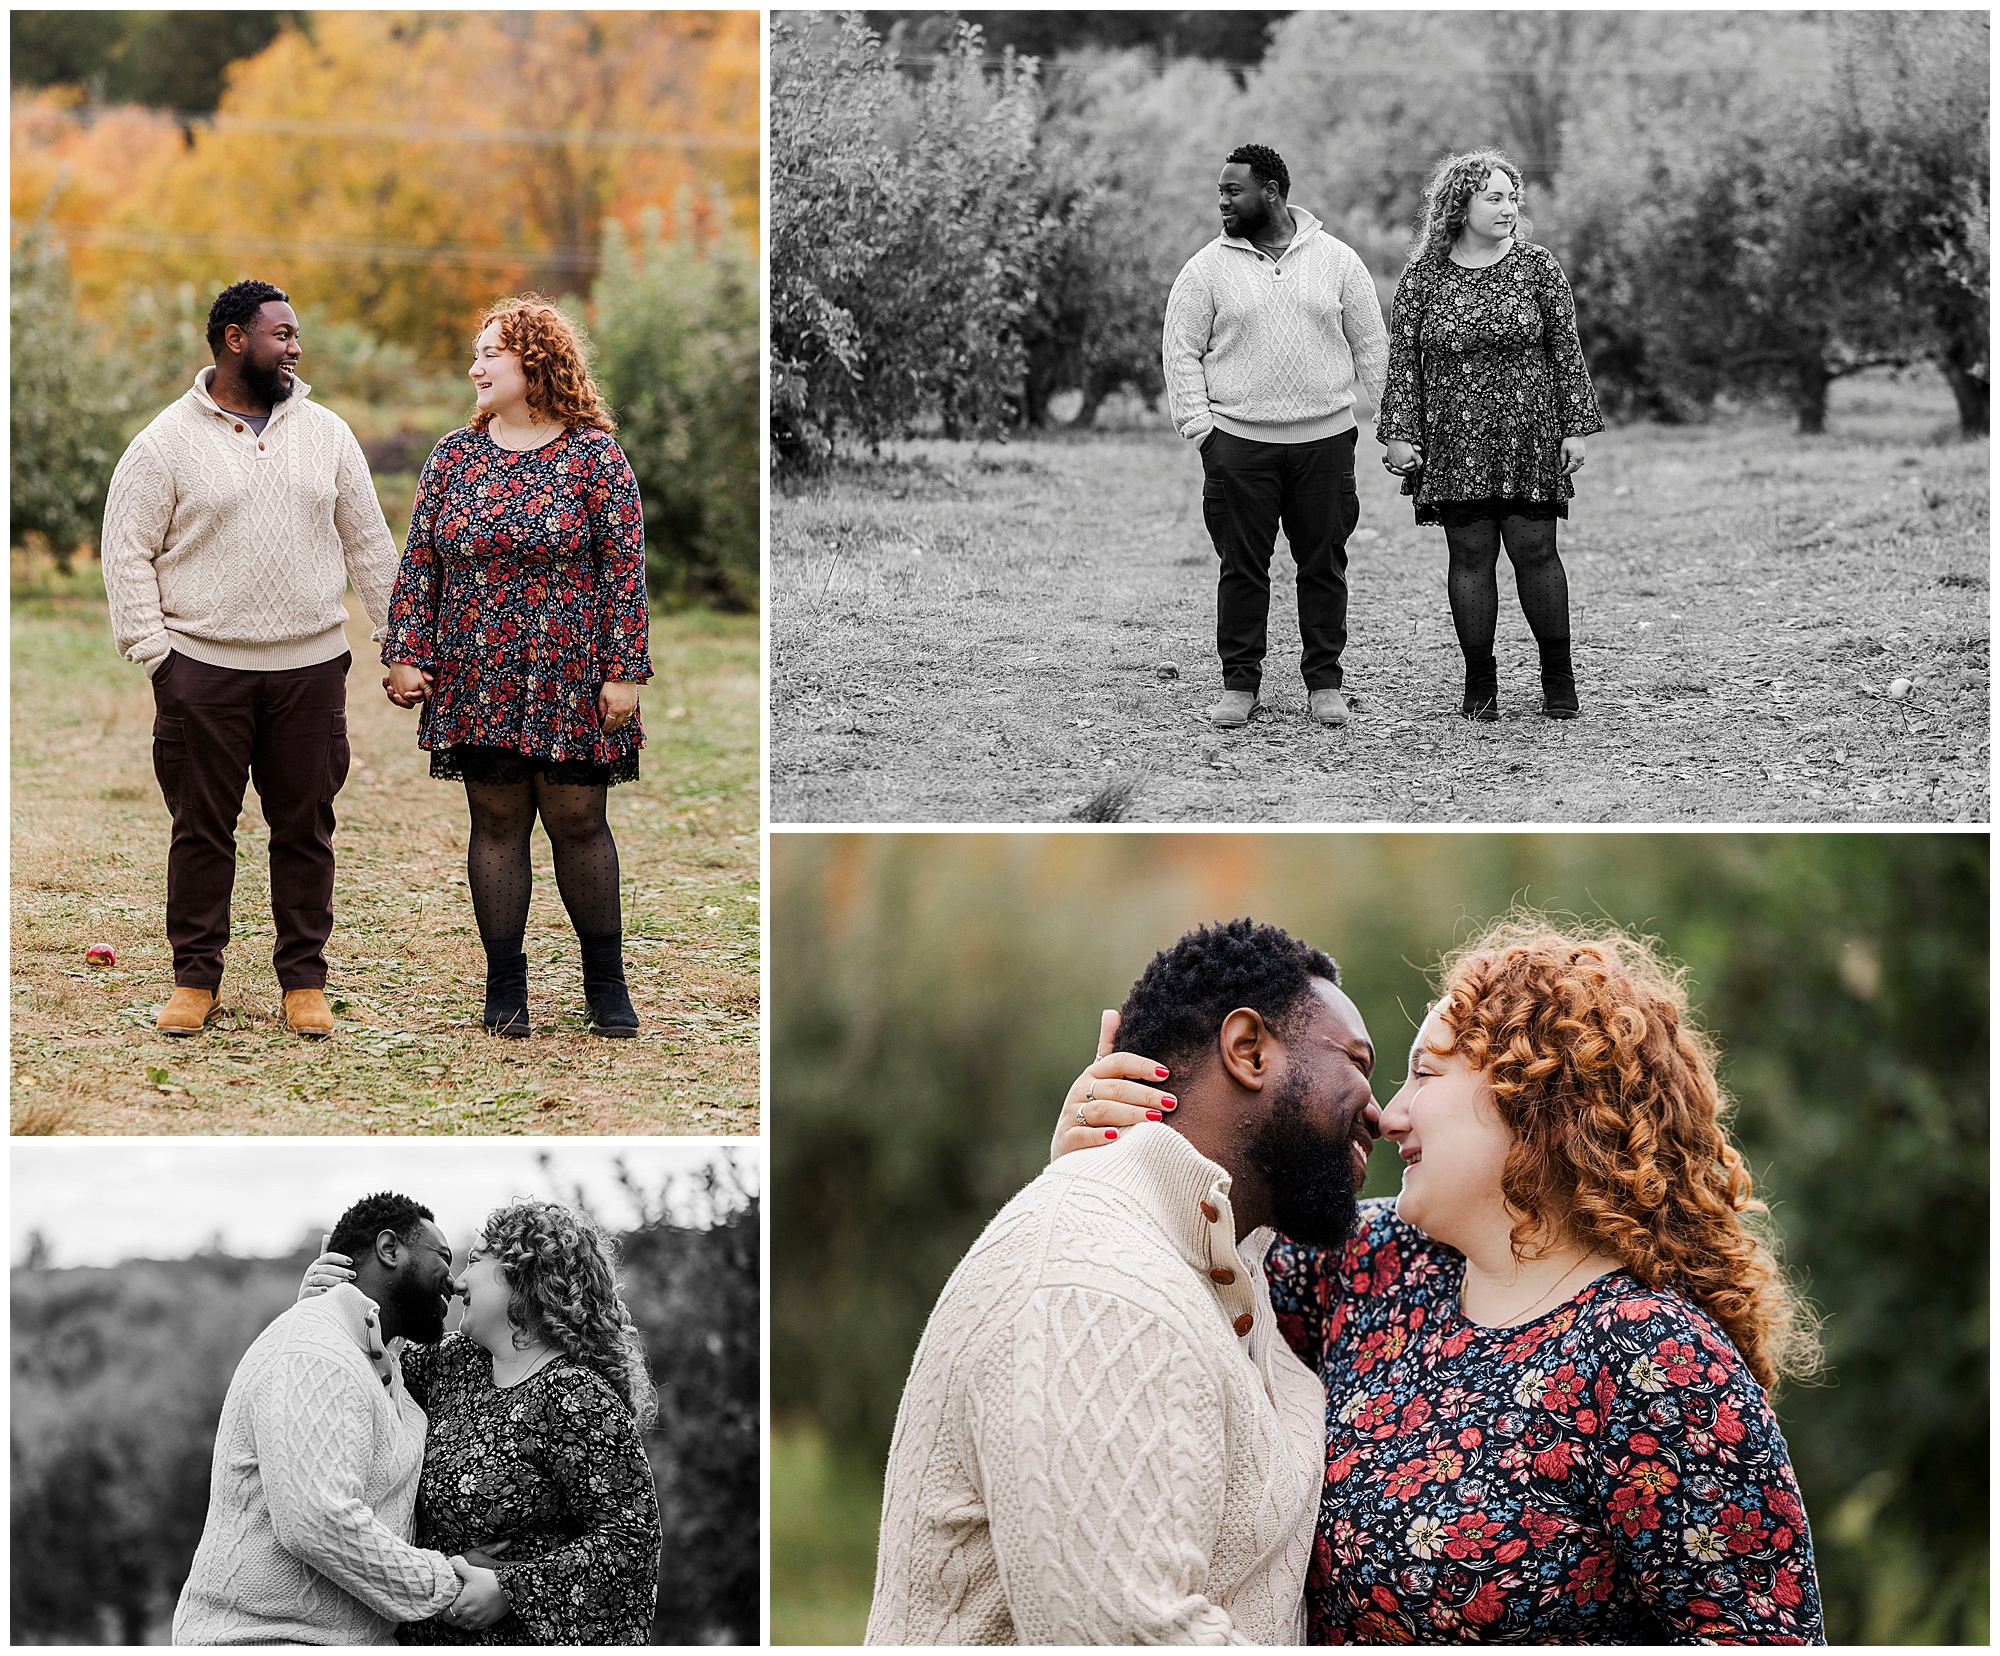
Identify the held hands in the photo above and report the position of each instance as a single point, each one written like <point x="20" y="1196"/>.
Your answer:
<point x="616" y="703"/>
<point x="330" y="1270"/>
<point x="1572" y="456"/>
<point x="408" y="685"/>
<point x="1403" y="458"/>
<point x="1118" y="1098"/>
<point x="481" y="1602"/>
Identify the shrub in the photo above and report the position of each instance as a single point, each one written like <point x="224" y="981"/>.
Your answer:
<point x="63" y="415"/>
<point x="676" y="335"/>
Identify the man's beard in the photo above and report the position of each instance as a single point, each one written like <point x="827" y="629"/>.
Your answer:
<point x="1253" y="218"/>
<point x="269" y="385"/>
<point x="1310" y="1177"/>
<point x="420" y="1311"/>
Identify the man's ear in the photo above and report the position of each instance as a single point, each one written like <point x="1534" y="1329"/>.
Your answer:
<point x="1246" y="1044"/>
<point x="388" y="1248"/>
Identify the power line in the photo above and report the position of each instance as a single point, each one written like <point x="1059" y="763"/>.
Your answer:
<point x="435" y="132"/>
<point x="458" y="255"/>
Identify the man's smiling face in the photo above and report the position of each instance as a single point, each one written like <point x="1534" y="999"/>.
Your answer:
<point x="1312" y="1145"/>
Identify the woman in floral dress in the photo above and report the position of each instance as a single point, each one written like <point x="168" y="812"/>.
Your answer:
<point x="1546" y="1361"/>
<point x="1485" y="411"/>
<point x="534" y="1470"/>
<point x="519" y="622"/>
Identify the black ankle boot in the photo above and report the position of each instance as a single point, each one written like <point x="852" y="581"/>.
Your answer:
<point x="604" y="987"/>
<point x="506" y="988"/>
<point x="1558" y="681"/>
<point x="1482" y="690"/>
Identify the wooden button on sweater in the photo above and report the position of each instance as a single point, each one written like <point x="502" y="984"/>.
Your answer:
<point x="1242" y="1324"/>
<point x="1223" y="1276"/>
<point x="1208" y="1212"/>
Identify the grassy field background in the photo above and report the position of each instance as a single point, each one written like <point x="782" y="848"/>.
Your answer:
<point x="1025" y="633"/>
<point x="825" y="1510"/>
<point x="407" y="974"/>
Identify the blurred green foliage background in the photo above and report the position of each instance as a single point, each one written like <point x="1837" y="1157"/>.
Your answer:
<point x="119" y="1375"/>
<point x="933" y="996"/>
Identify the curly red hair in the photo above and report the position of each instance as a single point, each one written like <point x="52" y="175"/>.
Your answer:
<point x="561" y="1272"/>
<point x="1611" y="1095"/>
<point x="554" y="362"/>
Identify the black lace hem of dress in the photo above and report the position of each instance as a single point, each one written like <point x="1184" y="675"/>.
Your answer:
<point x="501" y="767"/>
<point x="1458" y="514"/>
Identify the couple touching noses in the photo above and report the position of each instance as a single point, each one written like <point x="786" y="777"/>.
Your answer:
<point x="377" y="1480"/>
<point x="1187" y="1388"/>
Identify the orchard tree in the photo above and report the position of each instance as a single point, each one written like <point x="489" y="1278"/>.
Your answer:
<point x="906" y="238"/>
<point x="63" y="411"/>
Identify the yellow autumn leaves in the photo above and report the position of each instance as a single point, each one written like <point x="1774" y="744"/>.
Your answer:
<point x="398" y="169"/>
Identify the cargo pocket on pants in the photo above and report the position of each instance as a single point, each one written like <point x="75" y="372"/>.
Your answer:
<point x="1215" y="515"/>
<point x="170" y="757"/>
<point x="337" y="757"/>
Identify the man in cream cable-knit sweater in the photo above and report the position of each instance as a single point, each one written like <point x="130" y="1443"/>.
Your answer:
<point x="232" y="527"/>
<point x="1103" y="1439"/>
<point x="1268" y="329"/>
<point x="317" y="1456"/>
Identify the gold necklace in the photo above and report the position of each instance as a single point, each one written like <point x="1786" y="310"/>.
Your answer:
<point x="1509" y="1322"/>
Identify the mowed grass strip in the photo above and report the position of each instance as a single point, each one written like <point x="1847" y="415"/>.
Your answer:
<point x="1025" y="633"/>
<point x="407" y="975"/>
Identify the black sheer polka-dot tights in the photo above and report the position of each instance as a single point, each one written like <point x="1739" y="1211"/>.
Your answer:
<point x="497" y="863"/>
<point x="1475" y="586"/>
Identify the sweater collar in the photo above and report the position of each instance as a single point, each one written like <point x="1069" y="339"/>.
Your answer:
<point x="200" y="393"/>
<point x="1305" y="226"/>
<point x="360" y="1319"/>
<point x="1182" y="1189"/>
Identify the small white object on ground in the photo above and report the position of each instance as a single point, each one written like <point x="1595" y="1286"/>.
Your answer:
<point x="1898" y="689"/>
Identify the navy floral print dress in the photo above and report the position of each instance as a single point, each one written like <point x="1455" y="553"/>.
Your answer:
<point x="1609" y="1473"/>
<point x="523" y="589"/>
<point x="1487" y="377"/>
<point x="553" y="1464"/>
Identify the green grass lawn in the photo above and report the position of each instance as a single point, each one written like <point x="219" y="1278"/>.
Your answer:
<point x="1025" y="633"/>
<point x="825" y="1508"/>
<point x="89" y="849"/>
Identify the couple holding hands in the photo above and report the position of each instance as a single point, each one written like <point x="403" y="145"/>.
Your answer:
<point x="516" y="617"/>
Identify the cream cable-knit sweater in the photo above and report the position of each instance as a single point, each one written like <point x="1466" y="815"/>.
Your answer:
<point x="313" y="1492"/>
<point x="235" y="548"/>
<point x="1272" y="351"/>
<point x="1087" y="1451"/>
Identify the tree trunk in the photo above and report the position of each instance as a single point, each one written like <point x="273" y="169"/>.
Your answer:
<point x="1809" y="395"/>
<point x="1973" y="392"/>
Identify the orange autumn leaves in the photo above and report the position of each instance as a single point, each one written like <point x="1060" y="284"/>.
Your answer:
<point x="399" y="169"/>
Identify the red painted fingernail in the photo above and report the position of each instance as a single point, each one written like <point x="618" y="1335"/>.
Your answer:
<point x="1161" y="1073"/>
<point x="1111" y="1132"/>
<point x="1169" y="1102"/>
<point x="1154" y="1115"/>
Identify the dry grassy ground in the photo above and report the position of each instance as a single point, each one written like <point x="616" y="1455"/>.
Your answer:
<point x="407" y="975"/>
<point x="1026" y="634"/>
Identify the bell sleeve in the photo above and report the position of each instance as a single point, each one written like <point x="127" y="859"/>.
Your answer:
<point x="410" y="638"/>
<point x="618" y="535"/>
<point x="1401" y="417"/>
<point x="1576" y="400"/>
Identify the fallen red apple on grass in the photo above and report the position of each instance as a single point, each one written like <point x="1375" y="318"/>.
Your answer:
<point x="100" y="954"/>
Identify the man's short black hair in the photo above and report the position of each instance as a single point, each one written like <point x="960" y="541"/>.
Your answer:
<point x="239" y="303"/>
<point x="370" y="1217"/>
<point x="1175" y="1010"/>
<point x="1266" y="165"/>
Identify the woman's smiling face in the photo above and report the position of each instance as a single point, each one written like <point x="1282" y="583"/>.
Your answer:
<point x="1494" y="207"/>
<point x="1453" y="1143"/>
<point x="484" y="1288"/>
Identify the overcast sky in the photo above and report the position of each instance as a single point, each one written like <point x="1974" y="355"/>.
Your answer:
<point x="98" y="1202"/>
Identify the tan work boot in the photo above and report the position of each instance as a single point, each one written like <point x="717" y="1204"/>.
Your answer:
<point x="1329" y="707"/>
<point x="187" y="1011"/>
<point x="1233" y="711"/>
<point x="307" y="1014"/>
